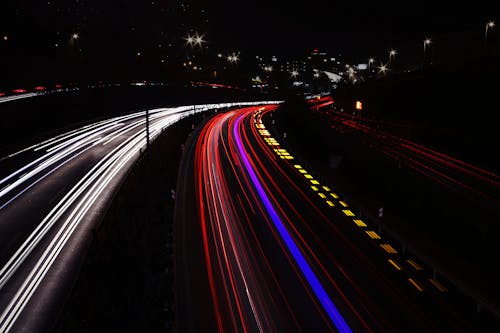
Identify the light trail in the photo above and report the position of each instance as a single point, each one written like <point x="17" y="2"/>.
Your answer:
<point x="260" y="212"/>
<point x="69" y="212"/>
<point x="306" y="269"/>
<point x="17" y="97"/>
<point x="446" y="170"/>
<point x="240" y="302"/>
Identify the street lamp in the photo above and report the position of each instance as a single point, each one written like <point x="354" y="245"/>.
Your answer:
<point x="194" y="40"/>
<point x="427" y="43"/>
<point x="382" y="69"/>
<point x="189" y="40"/>
<point x="392" y="53"/>
<point x="233" y="58"/>
<point x="489" y="25"/>
<point x="294" y="73"/>
<point x="198" y="40"/>
<point x="370" y="62"/>
<point x="75" y="36"/>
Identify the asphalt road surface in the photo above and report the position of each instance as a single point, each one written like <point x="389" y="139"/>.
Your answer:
<point x="52" y="195"/>
<point x="261" y="245"/>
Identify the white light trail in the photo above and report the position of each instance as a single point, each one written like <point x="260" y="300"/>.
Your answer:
<point x="77" y="202"/>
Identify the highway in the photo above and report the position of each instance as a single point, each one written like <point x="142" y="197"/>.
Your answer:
<point x="263" y="246"/>
<point x="52" y="196"/>
<point x="441" y="168"/>
<point x="6" y="99"/>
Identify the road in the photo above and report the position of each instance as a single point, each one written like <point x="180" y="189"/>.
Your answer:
<point x="5" y="99"/>
<point x="261" y="245"/>
<point x="446" y="170"/>
<point x="52" y="196"/>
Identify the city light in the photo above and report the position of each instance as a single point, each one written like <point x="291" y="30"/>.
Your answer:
<point x="382" y="69"/>
<point x="75" y="36"/>
<point x="189" y="40"/>
<point x="489" y="25"/>
<point x="194" y="40"/>
<point x="294" y="73"/>
<point x="427" y="42"/>
<point x="370" y="62"/>
<point x="392" y="53"/>
<point x="233" y="58"/>
<point x="198" y="40"/>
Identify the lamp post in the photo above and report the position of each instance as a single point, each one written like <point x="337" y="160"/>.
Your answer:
<point x="489" y="25"/>
<point x="383" y="69"/>
<point x="427" y="43"/>
<point x="233" y="58"/>
<point x="392" y="54"/>
<point x="195" y="40"/>
<point x="370" y="62"/>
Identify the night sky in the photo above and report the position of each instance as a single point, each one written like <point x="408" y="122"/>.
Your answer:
<point x="274" y="26"/>
<point x="111" y="32"/>
<point x="343" y="26"/>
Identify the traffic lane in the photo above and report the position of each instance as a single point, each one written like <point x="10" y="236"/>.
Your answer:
<point x="325" y="231"/>
<point x="276" y="283"/>
<point x="44" y="306"/>
<point x="90" y="191"/>
<point x="17" y="222"/>
<point x="299" y="211"/>
<point x="134" y="150"/>
<point x="322" y="203"/>
<point x="446" y="170"/>
<point x="95" y="194"/>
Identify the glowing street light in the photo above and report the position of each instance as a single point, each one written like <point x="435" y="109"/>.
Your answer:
<point x="75" y="36"/>
<point x="316" y="75"/>
<point x="392" y="54"/>
<point x="268" y="68"/>
<point x="383" y="69"/>
<point x="294" y="73"/>
<point x="198" y="40"/>
<point x="194" y="40"/>
<point x="489" y="25"/>
<point x="189" y="40"/>
<point x="233" y="58"/>
<point x="427" y="43"/>
<point x="370" y="62"/>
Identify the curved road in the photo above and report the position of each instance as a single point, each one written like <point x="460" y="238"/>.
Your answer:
<point x="52" y="196"/>
<point x="263" y="246"/>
